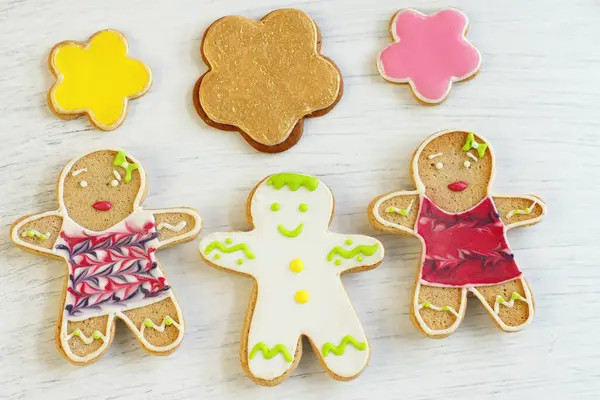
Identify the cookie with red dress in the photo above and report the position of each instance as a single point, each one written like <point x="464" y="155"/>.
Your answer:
<point x="462" y="228"/>
<point x="109" y="243"/>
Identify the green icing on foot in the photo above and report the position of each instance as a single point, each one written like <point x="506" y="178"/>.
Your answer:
<point x="293" y="181"/>
<point x="270" y="353"/>
<point x="225" y="249"/>
<point x="76" y="332"/>
<point x="97" y="335"/>
<point x="516" y="296"/>
<point x="148" y="323"/>
<point x="341" y="348"/>
<point x="168" y="321"/>
<point x="361" y="249"/>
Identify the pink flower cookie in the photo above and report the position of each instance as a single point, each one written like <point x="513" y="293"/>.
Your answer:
<point x="429" y="53"/>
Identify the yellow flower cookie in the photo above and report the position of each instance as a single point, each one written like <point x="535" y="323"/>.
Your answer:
<point x="97" y="79"/>
<point x="265" y="77"/>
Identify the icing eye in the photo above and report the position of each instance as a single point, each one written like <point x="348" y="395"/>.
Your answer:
<point x="275" y="207"/>
<point x="114" y="183"/>
<point x="83" y="184"/>
<point x="439" y="165"/>
<point x="467" y="164"/>
<point x="303" y="207"/>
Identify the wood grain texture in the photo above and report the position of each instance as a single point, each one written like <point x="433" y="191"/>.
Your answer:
<point x="536" y="99"/>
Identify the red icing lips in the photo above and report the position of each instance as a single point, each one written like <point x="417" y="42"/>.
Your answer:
<point x="102" y="205"/>
<point x="458" y="186"/>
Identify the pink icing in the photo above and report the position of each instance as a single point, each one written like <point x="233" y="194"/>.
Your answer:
<point x="430" y="52"/>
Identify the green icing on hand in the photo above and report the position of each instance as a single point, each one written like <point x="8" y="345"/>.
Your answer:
<point x="270" y="353"/>
<point x="290" y="234"/>
<point x="361" y="249"/>
<point x="275" y="207"/>
<point x="341" y="348"/>
<point x="225" y="249"/>
<point x="303" y="207"/>
<point x="338" y="262"/>
<point x="293" y="181"/>
<point x="121" y="161"/>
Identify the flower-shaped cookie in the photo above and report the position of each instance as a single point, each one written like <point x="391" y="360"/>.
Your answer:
<point x="264" y="77"/>
<point x="430" y="52"/>
<point x="96" y="78"/>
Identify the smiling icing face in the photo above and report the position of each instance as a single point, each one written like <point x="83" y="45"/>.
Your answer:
<point x="291" y="205"/>
<point x="454" y="169"/>
<point x="101" y="189"/>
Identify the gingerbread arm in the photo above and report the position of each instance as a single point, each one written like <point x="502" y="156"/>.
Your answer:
<point x="38" y="232"/>
<point x="521" y="210"/>
<point x="176" y="225"/>
<point x="354" y="252"/>
<point x="395" y="212"/>
<point x="237" y="252"/>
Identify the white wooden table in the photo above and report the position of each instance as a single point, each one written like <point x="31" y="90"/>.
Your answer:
<point x="536" y="99"/>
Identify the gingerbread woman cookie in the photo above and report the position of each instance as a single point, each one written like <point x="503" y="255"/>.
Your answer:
<point x="429" y="52"/>
<point x="108" y="242"/>
<point x="265" y="77"/>
<point x="296" y="264"/>
<point x="462" y="228"/>
<point x="96" y="78"/>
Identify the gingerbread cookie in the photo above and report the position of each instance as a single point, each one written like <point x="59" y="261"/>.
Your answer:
<point x="265" y="77"/>
<point x="296" y="264"/>
<point x="96" y="78"/>
<point x="109" y="242"/>
<point x="429" y="53"/>
<point x="462" y="228"/>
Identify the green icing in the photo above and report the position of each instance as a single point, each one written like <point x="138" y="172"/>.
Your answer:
<point x="361" y="249"/>
<point x="338" y="262"/>
<point x="293" y="181"/>
<point x="217" y="256"/>
<point x="341" y="348"/>
<point x="240" y="261"/>
<point x="270" y="353"/>
<point x="225" y="249"/>
<point x="348" y="242"/>
<point x="470" y="143"/>
<point x="290" y="234"/>
<point x="275" y="207"/>
<point x="76" y="332"/>
<point x="148" y="323"/>
<point x="97" y="335"/>
<point x="303" y="207"/>
<point x="359" y="258"/>
<point x="121" y="161"/>
<point x="228" y="241"/>
<point x="168" y="321"/>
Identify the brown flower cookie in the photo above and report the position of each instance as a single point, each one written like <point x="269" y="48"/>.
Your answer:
<point x="462" y="228"/>
<point x="265" y="77"/>
<point x="108" y="243"/>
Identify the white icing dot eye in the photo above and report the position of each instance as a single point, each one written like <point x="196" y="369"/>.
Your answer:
<point x="83" y="183"/>
<point x="467" y="164"/>
<point x="114" y="183"/>
<point x="439" y="165"/>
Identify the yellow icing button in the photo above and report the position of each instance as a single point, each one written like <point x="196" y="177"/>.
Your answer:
<point x="96" y="78"/>
<point x="302" y="297"/>
<point x="297" y="265"/>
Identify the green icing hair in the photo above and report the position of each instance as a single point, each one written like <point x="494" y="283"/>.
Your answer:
<point x="293" y="181"/>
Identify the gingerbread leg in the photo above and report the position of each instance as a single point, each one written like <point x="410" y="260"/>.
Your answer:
<point x="510" y="303"/>
<point x="159" y="326"/>
<point x="437" y="311"/>
<point x="85" y="341"/>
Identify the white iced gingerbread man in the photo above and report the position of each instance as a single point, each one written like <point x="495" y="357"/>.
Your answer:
<point x="109" y="244"/>
<point x="296" y="263"/>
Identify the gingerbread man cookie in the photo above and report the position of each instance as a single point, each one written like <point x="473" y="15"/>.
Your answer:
<point x="429" y="52"/>
<point x="96" y="78"/>
<point x="265" y="77"/>
<point x="108" y="242"/>
<point x="296" y="264"/>
<point x="462" y="228"/>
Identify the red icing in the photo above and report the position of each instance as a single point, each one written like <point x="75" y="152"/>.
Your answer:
<point x="465" y="249"/>
<point x="102" y="205"/>
<point x="458" y="186"/>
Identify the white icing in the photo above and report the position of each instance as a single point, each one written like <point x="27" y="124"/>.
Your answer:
<point x="117" y="175"/>
<point x="174" y="228"/>
<point x="83" y="184"/>
<point x="439" y="165"/>
<point x="86" y="339"/>
<point x="161" y="327"/>
<point x="139" y="217"/>
<point x="432" y="156"/>
<point x="472" y="156"/>
<point x="79" y="171"/>
<point x="277" y="318"/>
<point x="36" y="234"/>
<point x="467" y="164"/>
<point x="398" y="210"/>
<point x="114" y="183"/>
<point x="437" y="308"/>
<point x="511" y="303"/>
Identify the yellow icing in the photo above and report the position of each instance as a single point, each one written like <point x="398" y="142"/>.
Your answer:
<point x="302" y="297"/>
<point x="97" y="78"/>
<point x="296" y="265"/>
